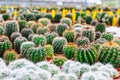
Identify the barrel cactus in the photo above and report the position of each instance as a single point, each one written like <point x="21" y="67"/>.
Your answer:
<point x="82" y="41"/>
<point x="70" y="35"/>
<point x="1" y="30"/>
<point x="48" y="15"/>
<point x="36" y="54"/>
<point x="70" y="50"/>
<point x="107" y="36"/>
<point x="29" y="16"/>
<point x="100" y="27"/>
<point x="35" y="26"/>
<point x="44" y="21"/>
<point x="58" y="44"/>
<point x="50" y="37"/>
<point x="17" y="43"/>
<point x="42" y="30"/>
<point x="22" y="24"/>
<point x="52" y="27"/>
<point x="88" y="19"/>
<point x="5" y="16"/>
<point x="89" y="33"/>
<point x="60" y="28"/>
<point x="24" y="47"/>
<point x="5" y="44"/>
<point x="67" y="21"/>
<point x="10" y="27"/>
<point x="59" y="61"/>
<point x="10" y="55"/>
<point x="26" y="32"/>
<point x="86" y="54"/>
<point x="57" y="17"/>
<point x="109" y="53"/>
<point x="30" y="23"/>
<point x="68" y="15"/>
<point x="49" y="51"/>
<point x="39" y="40"/>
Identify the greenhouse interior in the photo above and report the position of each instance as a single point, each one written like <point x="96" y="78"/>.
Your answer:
<point x="59" y="39"/>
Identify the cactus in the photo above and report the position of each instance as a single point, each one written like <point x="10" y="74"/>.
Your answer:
<point x="5" y="44"/>
<point x="42" y="30"/>
<point x="82" y="41"/>
<point x="44" y="21"/>
<point x="5" y="16"/>
<point x="68" y="15"/>
<point x="100" y="27"/>
<point x="67" y="21"/>
<point x="97" y="35"/>
<point x="58" y="44"/>
<point x="107" y="36"/>
<point x="49" y="51"/>
<point x="59" y="61"/>
<point x="10" y="27"/>
<point x="89" y="34"/>
<point x="70" y="50"/>
<point x="14" y="36"/>
<point x="30" y="37"/>
<point x="50" y="37"/>
<point x="77" y="26"/>
<point x="10" y="55"/>
<point x="30" y="23"/>
<point x="52" y="27"/>
<point x="86" y="54"/>
<point x="35" y="26"/>
<point x="109" y="53"/>
<point x="36" y="54"/>
<point x="57" y="17"/>
<point x="39" y="40"/>
<point x="38" y="16"/>
<point x="24" y="47"/>
<point x="1" y="30"/>
<point x="88" y="19"/>
<point x="17" y="43"/>
<point x="49" y="16"/>
<point x="20" y="17"/>
<point x="26" y="32"/>
<point x="110" y="19"/>
<point x="22" y="24"/>
<point x="61" y="28"/>
<point x="70" y="35"/>
<point x="29" y="16"/>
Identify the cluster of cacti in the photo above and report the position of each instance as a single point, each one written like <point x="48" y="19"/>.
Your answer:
<point x="10" y="27"/>
<point x="39" y="40"/>
<point x="107" y="36"/>
<point x="1" y="30"/>
<point x="70" y="50"/>
<point x="89" y="33"/>
<point x="24" y="48"/>
<point x="36" y="54"/>
<point x="44" y="21"/>
<point x="10" y="55"/>
<point x="17" y="43"/>
<point x="86" y="54"/>
<point x="49" y="51"/>
<point x="100" y="27"/>
<point x="58" y="44"/>
<point x="22" y="24"/>
<point x="60" y="28"/>
<point x="67" y="21"/>
<point x="70" y="35"/>
<point x="26" y="32"/>
<point x="42" y="30"/>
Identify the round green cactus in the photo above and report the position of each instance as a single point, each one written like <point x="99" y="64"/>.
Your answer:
<point x="70" y="35"/>
<point x="52" y="27"/>
<point x="1" y="30"/>
<point x="49" y="51"/>
<point x="10" y="27"/>
<point x="35" y="26"/>
<point x="58" y="44"/>
<point x="36" y="54"/>
<point x="44" y="21"/>
<point x="59" y="61"/>
<point x="57" y="17"/>
<point x="49" y="16"/>
<point x="10" y="55"/>
<point x="50" y="37"/>
<point x="100" y="27"/>
<point x="109" y="53"/>
<point x="29" y="16"/>
<point x="26" y="32"/>
<point x="22" y="24"/>
<point x="68" y="15"/>
<point x="30" y="37"/>
<point x="39" y="40"/>
<point x="20" y="17"/>
<point x="38" y="16"/>
<point x="24" y="47"/>
<point x="4" y="44"/>
<point x="30" y="23"/>
<point x="5" y="16"/>
<point x="86" y="54"/>
<point x="88" y="19"/>
<point x="61" y="28"/>
<point x="82" y="41"/>
<point x="17" y="43"/>
<point x="107" y="36"/>
<point x="70" y="50"/>
<point x="67" y="21"/>
<point x="42" y="30"/>
<point x="89" y="33"/>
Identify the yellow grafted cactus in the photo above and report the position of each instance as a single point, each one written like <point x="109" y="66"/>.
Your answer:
<point x="53" y="13"/>
<point x="73" y="15"/>
<point x="94" y="14"/>
<point x="114" y="21"/>
<point x="15" y="13"/>
<point x="63" y="13"/>
<point x="87" y="13"/>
